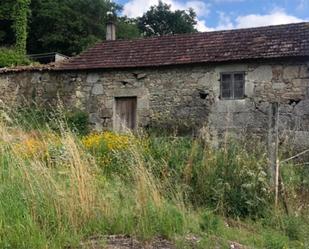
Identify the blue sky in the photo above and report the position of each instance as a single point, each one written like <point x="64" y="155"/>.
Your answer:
<point x="229" y="14"/>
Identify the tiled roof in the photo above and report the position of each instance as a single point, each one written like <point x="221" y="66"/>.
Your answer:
<point x="288" y="40"/>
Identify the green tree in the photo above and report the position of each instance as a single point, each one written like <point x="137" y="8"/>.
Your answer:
<point x="20" y="16"/>
<point x="70" y="26"/>
<point x="7" y="36"/>
<point x="161" y="20"/>
<point x="13" y="32"/>
<point x="127" y="28"/>
<point x="13" y="23"/>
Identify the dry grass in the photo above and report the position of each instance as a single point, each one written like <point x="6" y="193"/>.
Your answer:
<point x="55" y="193"/>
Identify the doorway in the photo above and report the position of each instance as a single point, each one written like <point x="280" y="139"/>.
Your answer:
<point x="125" y="113"/>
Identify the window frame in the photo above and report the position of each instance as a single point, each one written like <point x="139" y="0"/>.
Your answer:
<point x="232" y="74"/>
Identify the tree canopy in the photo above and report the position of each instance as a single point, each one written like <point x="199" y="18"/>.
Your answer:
<point x="20" y="15"/>
<point x="161" y="20"/>
<point x="70" y="26"/>
<point x="13" y="23"/>
<point x="6" y="22"/>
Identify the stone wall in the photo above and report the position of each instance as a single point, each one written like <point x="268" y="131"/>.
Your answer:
<point x="173" y="96"/>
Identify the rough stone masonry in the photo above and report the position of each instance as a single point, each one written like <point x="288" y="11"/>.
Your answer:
<point x="223" y="80"/>
<point x="172" y="97"/>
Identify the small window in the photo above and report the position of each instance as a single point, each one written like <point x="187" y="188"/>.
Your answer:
<point x="233" y="85"/>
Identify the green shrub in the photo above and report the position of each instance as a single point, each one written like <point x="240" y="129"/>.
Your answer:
<point x="35" y="117"/>
<point x="146" y="190"/>
<point x="232" y="181"/>
<point x="78" y="122"/>
<point x="30" y="117"/>
<point x="169" y="156"/>
<point x="9" y="57"/>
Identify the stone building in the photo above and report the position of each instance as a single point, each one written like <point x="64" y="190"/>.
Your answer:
<point x="222" y="80"/>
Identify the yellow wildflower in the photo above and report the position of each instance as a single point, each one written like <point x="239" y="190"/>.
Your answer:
<point x="112" y="141"/>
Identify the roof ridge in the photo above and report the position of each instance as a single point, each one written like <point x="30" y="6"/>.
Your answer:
<point x="207" y="32"/>
<point x="268" y="42"/>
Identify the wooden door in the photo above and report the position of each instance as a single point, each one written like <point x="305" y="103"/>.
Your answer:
<point x="125" y="113"/>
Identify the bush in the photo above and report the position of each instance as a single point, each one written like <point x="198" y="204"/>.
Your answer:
<point x="30" y="117"/>
<point x="232" y="181"/>
<point x="78" y="122"/>
<point x="57" y="206"/>
<point x="35" y="117"/>
<point x="106" y="147"/>
<point x="55" y="195"/>
<point x="9" y="58"/>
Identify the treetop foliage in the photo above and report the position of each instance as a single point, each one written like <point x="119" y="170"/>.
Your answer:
<point x="161" y="20"/>
<point x="20" y="16"/>
<point x="13" y="23"/>
<point x="70" y="26"/>
<point x="67" y="26"/>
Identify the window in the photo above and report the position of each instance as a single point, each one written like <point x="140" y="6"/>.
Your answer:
<point x="233" y="85"/>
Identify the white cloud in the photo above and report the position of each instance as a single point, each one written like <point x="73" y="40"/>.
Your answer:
<point x="200" y="8"/>
<point x="275" y="17"/>
<point x="135" y="8"/>
<point x="202" y="27"/>
<point x="224" y="22"/>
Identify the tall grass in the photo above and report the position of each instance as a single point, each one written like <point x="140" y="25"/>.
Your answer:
<point x="48" y="202"/>
<point x="55" y="203"/>
<point x="56" y="190"/>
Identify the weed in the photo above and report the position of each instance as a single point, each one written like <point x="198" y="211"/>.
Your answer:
<point x="56" y="190"/>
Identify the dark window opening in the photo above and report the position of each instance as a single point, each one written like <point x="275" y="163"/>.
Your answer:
<point x="233" y="85"/>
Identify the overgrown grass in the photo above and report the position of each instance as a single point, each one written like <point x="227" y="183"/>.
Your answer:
<point x="58" y="188"/>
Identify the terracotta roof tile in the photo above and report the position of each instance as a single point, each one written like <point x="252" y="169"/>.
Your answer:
<point x="289" y="40"/>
